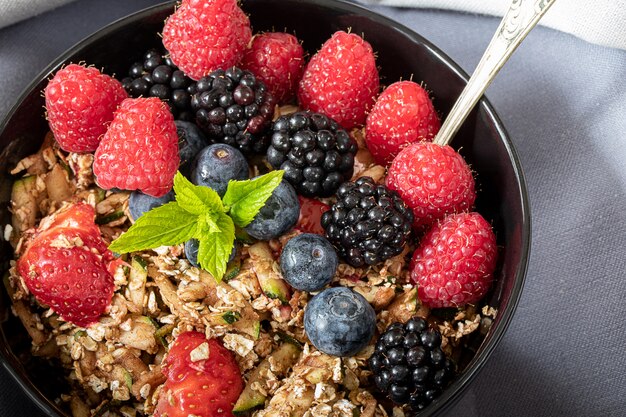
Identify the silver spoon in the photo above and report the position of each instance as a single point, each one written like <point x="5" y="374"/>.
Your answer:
<point x="519" y="20"/>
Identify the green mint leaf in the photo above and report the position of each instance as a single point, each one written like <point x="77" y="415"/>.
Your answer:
<point x="215" y="248"/>
<point x="206" y="224"/>
<point x="166" y="225"/>
<point x="246" y="198"/>
<point x="196" y="199"/>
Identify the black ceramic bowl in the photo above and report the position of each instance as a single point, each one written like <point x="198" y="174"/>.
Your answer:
<point x="483" y="141"/>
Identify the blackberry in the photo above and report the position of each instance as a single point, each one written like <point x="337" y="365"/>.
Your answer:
<point x="235" y="108"/>
<point x="158" y="77"/>
<point x="316" y="154"/>
<point x="408" y="364"/>
<point x="368" y="224"/>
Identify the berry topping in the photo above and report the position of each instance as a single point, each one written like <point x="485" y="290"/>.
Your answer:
<point x="65" y="265"/>
<point x="277" y="59"/>
<point x="278" y="215"/>
<point x="368" y="224"/>
<point x="455" y="261"/>
<point x="158" y="77"/>
<point x="191" y="141"/>
<point x="341" y="80"/>
<point x="140" y="149"/>
<point x="308" y="262"/>
<point x="80" y="102"/>
<point x="217" y="164"/>
<point x="235" y="108"/>
<point x="203" y="379"/>
<point x="192" y="246"/>
<point x="433" y="180"/>
<point x="311" y="211"/>
<point x="139" y="203"/>
<point x="316" y="154"/>
<point x="402" y="114"/>
<point x="204" y="35"/>
<point x="339" y="321"/>
<point x="409" y="365"/>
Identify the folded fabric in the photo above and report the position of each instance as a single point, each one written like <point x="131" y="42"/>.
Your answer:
<point x="597" y="21"/>
<point x="12" y="11"/>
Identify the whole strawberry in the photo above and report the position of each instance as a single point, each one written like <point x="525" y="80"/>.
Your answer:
<point x="80" y="102"/>
<point x="402" y="114"/>
<point x="140" y="149"/>
<point x="341" y="80"/>
<point x="203" y="379"/>
<point x="204" y="35"/>
<point x="455" y="261"/>
<point x="432" y="180"/>
<point x="277" y="59"/>
<point x="65" y="265"/>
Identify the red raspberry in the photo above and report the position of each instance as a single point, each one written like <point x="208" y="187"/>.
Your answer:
<point x="140" y="149"/>
<point x="66" y="265"/>
<point x="341" y="80"/>
<point x="204" y="35"/>
<point x="402" y="114"/>
<point x="433" y="180"/>
<point x="455" y="261"/>
<point x="277" y="59"/>
<point x="80" y="102"/>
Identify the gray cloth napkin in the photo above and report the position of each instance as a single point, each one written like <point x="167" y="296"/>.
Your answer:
<point x="12" y="11"/>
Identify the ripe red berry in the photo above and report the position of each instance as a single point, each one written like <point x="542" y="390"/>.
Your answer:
<point x="432" y="180"/>
<point x="277" y="59"/>
<point x="455" y="261"/>
<point x="311" y="211"/>
<point x="80" y="102"/>
<point x="341" y="80"/>
<point x="65" y="265"/>
<point x="204" y="35"/>
<point x="402" y="114"/>
<point x="140" y="149"/>
<point x="203" y="379"/>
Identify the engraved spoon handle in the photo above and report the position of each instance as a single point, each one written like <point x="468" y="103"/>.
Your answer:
<point x="518" y="21"/>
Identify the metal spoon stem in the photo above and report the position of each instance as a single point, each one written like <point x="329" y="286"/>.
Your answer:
<point x="520" y="19"/>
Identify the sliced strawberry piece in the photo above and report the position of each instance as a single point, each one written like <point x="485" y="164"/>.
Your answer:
<point x="311" y="211"/>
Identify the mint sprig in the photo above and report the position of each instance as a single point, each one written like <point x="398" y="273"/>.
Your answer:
<point x="199" y="213"/>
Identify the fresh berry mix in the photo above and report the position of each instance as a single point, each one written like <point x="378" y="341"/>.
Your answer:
<point x="235" y="108"/>
<point x="217" y="164"/>
<point x="140" y="203"/>
<point x="308" y="262"/>
<point x="339" y="321"/>
<point x="223" y="280"/>
<point x="341" y="80"/>
<point x="409" y="365"/>
<point x="65" y="266"/>
<point x="402" y="114"/>
<point x="80" y="102"/>
<point x="278" y="216"/>
<point x="368" y="223"/>
<point x="204" y="35"/>
<point x="433" y="180"/>
<point x="316" y="154"/>
<point x="156" y="76"/>
<point x="277" y="59"/>
<point x="203" y="378"/>
<point x="140" y="149"/>
<point x="455" y="261"/>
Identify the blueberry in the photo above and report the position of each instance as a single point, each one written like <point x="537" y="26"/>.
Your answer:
<point x="139" y="203"/>
<point x="279" y="214"/>
<point x="339" y="321"/>
<point x="191" y="141"/>
<point x="217" y="164"/>
<point x="308" y="262"/>
<point x="191" y="252"/>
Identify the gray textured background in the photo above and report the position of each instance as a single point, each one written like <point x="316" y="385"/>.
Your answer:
<point x="564" y="104"/>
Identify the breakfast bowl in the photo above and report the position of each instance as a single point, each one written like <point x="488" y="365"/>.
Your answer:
<point x="400" y="54"/>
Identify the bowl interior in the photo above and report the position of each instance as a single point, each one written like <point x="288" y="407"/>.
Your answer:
<point x="402" y="54"/>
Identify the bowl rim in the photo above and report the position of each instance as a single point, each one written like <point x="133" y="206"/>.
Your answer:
<point x="454" y="392"/>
